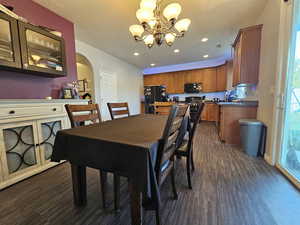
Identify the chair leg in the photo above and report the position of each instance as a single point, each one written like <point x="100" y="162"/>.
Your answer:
<point x="173" y="181"/>
<point x="157" y="215"/>
<point x="117" y="191"/>
<point x="188" y="170"/>
<point x="192" y="160"/>
<point x="103" y="181"/>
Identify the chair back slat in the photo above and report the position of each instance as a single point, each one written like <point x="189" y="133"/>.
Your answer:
<point x="82" y="118"/>
<point x="167" y="145"/>
<point x="79" y="114"/>
<point x="118" y="110"/>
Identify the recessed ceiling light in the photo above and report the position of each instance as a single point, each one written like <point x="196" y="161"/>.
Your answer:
<point x="152" y="64"/>
<point x="204" y="39"/>
<point x="176" y="50"/>
<point x="205" y="56"/>
<point x="136" y="53"/>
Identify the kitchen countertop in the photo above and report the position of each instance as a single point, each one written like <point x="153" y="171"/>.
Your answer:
<point x="245" y="103"/>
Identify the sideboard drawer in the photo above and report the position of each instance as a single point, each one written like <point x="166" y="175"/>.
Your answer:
<point x="30" y="111"/>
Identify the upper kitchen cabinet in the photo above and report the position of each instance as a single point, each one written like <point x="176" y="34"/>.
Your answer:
<point x="178" y="82"/>
<point x="42" y="51"/>
<point x="9" y="42"/>
<point x="193" y="76"/>
<point x="247" y="55"/>
<point x="222" y="78"/>
<point x="209" y="82"/>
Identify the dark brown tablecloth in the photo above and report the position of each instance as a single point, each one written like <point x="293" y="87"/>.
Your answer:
<point x="127" y="146"/>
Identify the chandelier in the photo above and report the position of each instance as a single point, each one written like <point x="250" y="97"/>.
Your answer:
<point x="159" y="26"/>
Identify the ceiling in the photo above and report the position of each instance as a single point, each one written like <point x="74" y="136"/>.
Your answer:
<point x="104" y="25"/>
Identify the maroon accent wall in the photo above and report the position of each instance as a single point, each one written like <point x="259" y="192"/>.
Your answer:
<point x="15" y="85"/>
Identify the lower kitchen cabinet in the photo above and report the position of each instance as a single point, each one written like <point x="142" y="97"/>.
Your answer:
<point x="210" y="112"/>
<point x="229" y="127"/>
<point x="27" y="135"/>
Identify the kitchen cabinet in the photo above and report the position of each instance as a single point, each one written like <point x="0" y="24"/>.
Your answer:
<point x="209" y="80"/>
<point x="222" y="78"/>
<point x="193" y="76"/>
<point x="210" y="112"/>
<point x="229" y="129"/>
<point x="42" y="51"/>
<point x="9" y="42"/>
<point x="212" y="79"/>
<point x="178" y="82"/>
<point x="247" y="55"/>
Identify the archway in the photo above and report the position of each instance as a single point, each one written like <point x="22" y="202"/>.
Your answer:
<point x="85" y="76"/>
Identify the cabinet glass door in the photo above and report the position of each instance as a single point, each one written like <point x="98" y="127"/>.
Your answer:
<point x="41" y="50"/>
<point x="290" y="154"/>
<point x="20" y="148"/>
<point x="9" y="42"/>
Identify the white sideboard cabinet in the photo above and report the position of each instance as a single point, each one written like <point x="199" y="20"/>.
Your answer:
<point x="27" y="134"/>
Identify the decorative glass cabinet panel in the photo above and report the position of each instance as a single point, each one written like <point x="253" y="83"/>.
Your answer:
<point x="20" y="148"/>
<point x="48" y="134"/>
<point x="41" y="50"/>
<point x="9" y="42"/>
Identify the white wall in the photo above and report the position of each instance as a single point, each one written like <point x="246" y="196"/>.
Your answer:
<point x="129" y="77"/>
<point x="270" y="19"/>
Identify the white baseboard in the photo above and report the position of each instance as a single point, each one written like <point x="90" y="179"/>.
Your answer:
<point x="269" y="160"/>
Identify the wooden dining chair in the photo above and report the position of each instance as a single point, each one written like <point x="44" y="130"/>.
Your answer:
<point x="185" y="148"/>
<point x="79" y="115"/>
<point x="162" y="108"/>
<point x="165" y="164"/>
<point x="118" y="110"/>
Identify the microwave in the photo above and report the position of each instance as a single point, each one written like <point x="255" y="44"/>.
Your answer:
<point x="193" y="88"/>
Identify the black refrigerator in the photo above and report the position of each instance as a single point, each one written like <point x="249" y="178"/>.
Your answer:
<point x="154" y="94"/>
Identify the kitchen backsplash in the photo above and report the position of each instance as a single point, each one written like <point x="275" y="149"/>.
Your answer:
<point x="220" y="95"/>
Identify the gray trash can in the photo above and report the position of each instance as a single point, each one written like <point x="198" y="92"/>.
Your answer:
<point x="253" y="136"/>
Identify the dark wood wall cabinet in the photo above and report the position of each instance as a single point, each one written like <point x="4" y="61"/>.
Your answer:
<point x="213" y="79"/>
<point x="30" y="49"/>
<point x="247" y="55"/>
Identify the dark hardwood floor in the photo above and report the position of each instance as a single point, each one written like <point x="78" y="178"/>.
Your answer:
<point x="229" y="188"/>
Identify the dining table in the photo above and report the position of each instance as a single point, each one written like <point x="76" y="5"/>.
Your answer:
<point x="127" y="147"/>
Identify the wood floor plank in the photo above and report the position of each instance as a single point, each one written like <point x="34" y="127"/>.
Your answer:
<point x="229" y="188"/>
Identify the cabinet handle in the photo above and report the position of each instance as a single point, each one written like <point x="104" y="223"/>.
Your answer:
<point x="54" y="109"/>
<point x="12" y="112"/>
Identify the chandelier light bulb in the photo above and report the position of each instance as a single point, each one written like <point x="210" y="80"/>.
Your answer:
<point x="148" y="4"/>
<point x="183" y="25"/>
<point x="172" y="11"/>
<point x="136" y="30"/>
<point x="149" y="40"/>
<point x="152" y="23"/>
<point x="170" y="38"/>
<point x="144" y="15"/>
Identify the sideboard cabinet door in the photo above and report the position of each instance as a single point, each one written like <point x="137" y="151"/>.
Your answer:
<point x="47" y="130"/>
<point x="19" y="150"/>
